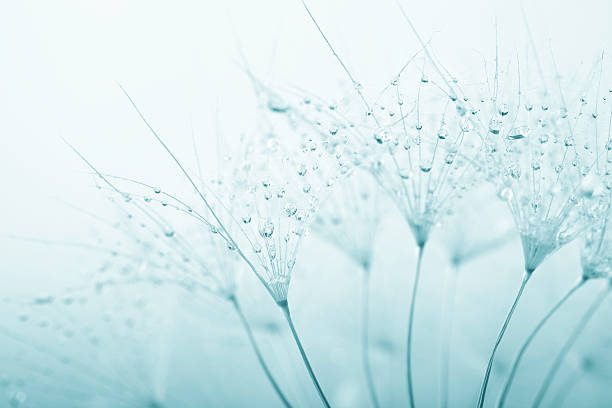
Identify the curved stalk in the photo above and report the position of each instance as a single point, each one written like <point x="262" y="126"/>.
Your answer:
<point x="568" y="345"/>
<point x="255" y="347"/>
<point x="523" y="349"/>
<point x="485" y="381"/>
<point x="365" y="343"/>
<point x="285" y="307"/>
<point x="451" y="291"/>
<point x="410" y="319"/>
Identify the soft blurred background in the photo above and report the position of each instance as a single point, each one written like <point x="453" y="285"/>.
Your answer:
<point x="66" y="343"/>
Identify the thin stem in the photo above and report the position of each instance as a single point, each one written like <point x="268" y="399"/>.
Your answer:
<point x="532" y="335"/>
<point x="285" y="307"/>
<point x="485" y="381"/>
<point x="260" y="358"/>
<point x="565" y="390"/>
<point x="410" y="320"/>
<point x="365" y="343"/>
<point x="568" y="345"/>
<point x="451" y="291"/>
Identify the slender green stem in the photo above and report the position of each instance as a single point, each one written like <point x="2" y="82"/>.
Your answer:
<point x="365" y="343"/>
<point x="260" y="358"/>
<point x="532" y="335"/>
<point x="568" y="345"/>
<point x="410" y="321"/>
<point x="285" y="307"/>
<point x="485" y="381"/>
<point x="451" y="290"/>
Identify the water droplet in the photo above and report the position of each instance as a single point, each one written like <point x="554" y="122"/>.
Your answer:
<point x="442" y="133"/>
<point x="495" y="126"/>
<point x="44" y="300"/>
<point x="518" y="133"/>
<point x="290" y="209"/>
<point x="266" y="229"/>
<point x="278" y="106"/>
<point x="425" y="167"/>
<point x="503" y="109"/>
<point x="406" y="173"/>
<point x="506" y="194"/>
<point x="460" y="108"/>
<point x="381" y="137"/>
<point x="424" y="78"/>
<point x="514" y="171"/>
<point x="246" y="219"/>
<point x="17" y="399"/>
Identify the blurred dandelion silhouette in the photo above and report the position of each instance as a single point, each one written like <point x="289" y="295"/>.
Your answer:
<point x="593" y="365"/>
<point x="349" y="219"/>
<point x="64" y="353"/>
<point x="465" y="242"/>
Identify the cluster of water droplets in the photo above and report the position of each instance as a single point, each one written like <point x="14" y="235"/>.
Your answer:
<point x="596" y="256"/>
<point x="155" y="243"/>
<point x="546" y="152"/>
<point x="272" y="186"/>
<point x="418" y="142"/>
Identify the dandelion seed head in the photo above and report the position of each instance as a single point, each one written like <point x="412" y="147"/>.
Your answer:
<point x="423" y="155"/>
<point x="545" y="162"/>
<point x="350" y="216"/>
<point x="289" y="164"/>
